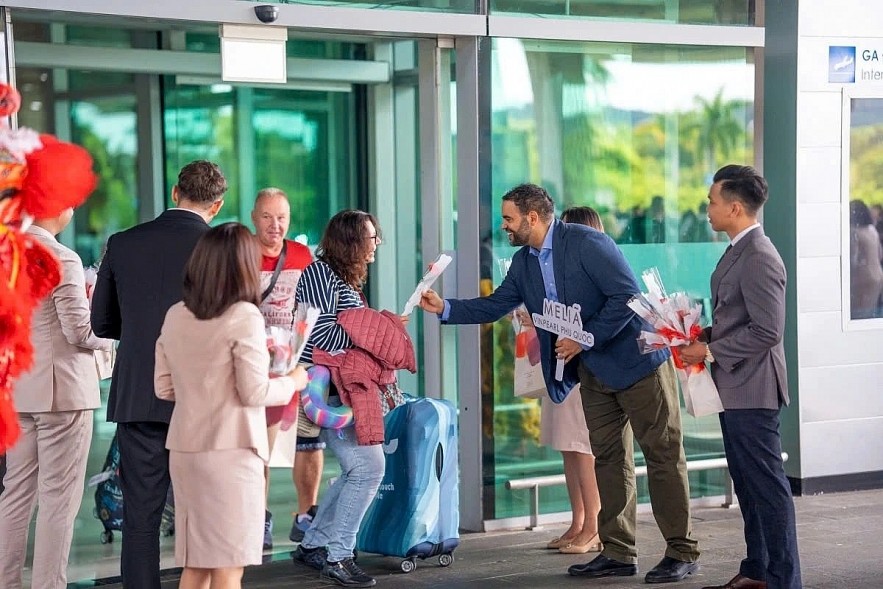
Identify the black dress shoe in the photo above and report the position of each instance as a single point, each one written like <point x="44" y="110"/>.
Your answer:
<point x="603" y="567"/>
<point x="670" y="570"/>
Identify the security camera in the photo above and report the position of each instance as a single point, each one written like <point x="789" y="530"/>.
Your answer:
<point x="266" y="14"/>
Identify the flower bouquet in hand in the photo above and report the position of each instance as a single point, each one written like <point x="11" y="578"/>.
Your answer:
<point x="104" y="359"/>
<point x="675" y="322"/>
<point x="286" y="347"/>
<point x="90" y="274"/>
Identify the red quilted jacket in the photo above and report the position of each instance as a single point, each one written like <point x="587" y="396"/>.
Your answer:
<point x="382" y="347"/>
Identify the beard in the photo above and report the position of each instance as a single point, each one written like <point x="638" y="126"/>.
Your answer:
<point x="520" y="236"/>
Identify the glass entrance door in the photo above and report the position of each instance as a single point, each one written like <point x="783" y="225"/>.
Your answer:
<point x="327" y="144"/>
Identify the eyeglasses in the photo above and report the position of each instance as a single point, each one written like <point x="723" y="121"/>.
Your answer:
<point x="375" y="238"/>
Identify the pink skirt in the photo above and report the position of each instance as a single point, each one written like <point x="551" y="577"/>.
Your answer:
<point x="563" y="425"/>
<point x="219" y="508"/>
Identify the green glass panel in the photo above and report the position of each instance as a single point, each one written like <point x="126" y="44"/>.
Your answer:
<point x="292" y="139"/>
<point x="456" y="6"/>
<point x="106" y="128"/>
<point x="728" y="12"/>
<point x="98" y="36"/>
<point x="635" y="131"/>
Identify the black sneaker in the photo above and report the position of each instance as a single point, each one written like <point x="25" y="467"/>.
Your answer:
<point x="301" y="524"/>
<point x="311" y="557"/>
<point x="346" y="573"/>
<point x="268" y="531"/>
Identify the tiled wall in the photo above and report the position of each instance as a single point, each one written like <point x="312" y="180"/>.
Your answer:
<point x="840" y="372"/>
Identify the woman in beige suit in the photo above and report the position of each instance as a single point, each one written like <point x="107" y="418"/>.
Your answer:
<point x="212" y="360"/>
<point x="54" y="400"/>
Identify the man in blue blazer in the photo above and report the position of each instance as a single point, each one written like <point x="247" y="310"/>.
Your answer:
<point x="744" y="346"/>
<point x="622" y="389"/>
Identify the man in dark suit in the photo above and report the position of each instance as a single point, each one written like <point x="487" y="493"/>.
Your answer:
<point x="744" y="346"/>
<point x="140" y="277"/>
<point x="622" y="389"/>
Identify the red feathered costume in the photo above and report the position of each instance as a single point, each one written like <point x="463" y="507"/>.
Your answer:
<point x="40" y="177"/>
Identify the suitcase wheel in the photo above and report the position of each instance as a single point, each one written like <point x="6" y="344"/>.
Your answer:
<point x="106" y="536"/>
<point x="446" y="559"/>
<point x="408" y="565"/>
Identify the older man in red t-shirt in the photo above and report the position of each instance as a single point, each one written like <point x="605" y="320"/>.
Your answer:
<point x="271" y="216"/>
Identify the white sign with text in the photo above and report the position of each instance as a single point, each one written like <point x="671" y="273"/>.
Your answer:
<point x="563" y="321"/>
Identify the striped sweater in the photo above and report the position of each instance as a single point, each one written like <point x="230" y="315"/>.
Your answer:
<point x="321" y="287"/>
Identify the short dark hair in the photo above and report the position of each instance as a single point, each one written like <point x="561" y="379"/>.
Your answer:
<point x="859" y="214"/>
<point x="742" y="183"/>
<point x="583" y="216"/>
<point x="201" y="182"/>
<point x="530" y="197"/>
<point x="342" y="245"/>
<point x="224" y="269"/>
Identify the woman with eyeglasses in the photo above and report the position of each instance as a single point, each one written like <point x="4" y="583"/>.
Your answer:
<point x="334" y="283"/>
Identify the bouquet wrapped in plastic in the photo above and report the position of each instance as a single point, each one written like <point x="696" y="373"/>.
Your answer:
<point x="675" y="320"/>
<point x="104" y="359"/>
<point x="286" y="347"/>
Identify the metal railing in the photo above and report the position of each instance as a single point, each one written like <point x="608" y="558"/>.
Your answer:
<point x="534" y="484"/>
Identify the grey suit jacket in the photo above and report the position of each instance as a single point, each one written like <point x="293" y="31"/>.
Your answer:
<point x="64" y="376"/>
<point x="748" y="323"/>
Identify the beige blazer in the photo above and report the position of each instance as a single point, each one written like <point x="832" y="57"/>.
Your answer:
<point x="64" y="376"/>
<point x="216" y="372"/>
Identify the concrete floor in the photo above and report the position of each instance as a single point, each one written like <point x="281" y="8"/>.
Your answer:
<point x="840" y="535"/>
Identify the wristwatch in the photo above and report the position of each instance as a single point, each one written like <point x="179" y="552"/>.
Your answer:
<point x="709" y="357"/>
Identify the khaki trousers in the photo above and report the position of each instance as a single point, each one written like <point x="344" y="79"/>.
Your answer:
<point x="47" y="466"/>
<point x="651" y="409"/>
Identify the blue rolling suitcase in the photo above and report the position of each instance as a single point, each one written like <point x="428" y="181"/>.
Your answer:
<point x="416" y="513"/>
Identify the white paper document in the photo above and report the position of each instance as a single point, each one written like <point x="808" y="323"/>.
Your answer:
<point x="435" y="270"/>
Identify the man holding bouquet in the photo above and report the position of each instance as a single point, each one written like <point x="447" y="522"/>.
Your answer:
<point x="622" y="389"/>
<point x="282" y="263"/>
<point x="744" y="346"/>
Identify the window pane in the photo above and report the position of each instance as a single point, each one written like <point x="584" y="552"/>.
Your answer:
<point x="459" y="6"/>
<point x="106" y="128"/>
<point x="292" y="139"/>
<point x="865" y="208"/>
<point x="727" y="12"/>
<point x="636" y="132"/>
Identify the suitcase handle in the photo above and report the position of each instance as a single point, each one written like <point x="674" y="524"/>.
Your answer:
<point x="439" y="461"/>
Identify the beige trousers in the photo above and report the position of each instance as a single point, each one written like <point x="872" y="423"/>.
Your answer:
<point x="47" y="466"/>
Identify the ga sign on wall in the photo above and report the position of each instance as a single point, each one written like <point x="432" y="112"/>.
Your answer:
<point x="853" y="64"/>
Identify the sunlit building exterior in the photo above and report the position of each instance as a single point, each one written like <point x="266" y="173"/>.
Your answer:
<point x="425" y="112"/>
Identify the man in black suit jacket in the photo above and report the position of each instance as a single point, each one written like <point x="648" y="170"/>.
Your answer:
<point x="744" y="346"/>
<point x="140" y="277"/>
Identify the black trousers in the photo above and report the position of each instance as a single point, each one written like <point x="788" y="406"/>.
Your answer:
<point x="754" y="455"/>
<point x="144" y="480"/>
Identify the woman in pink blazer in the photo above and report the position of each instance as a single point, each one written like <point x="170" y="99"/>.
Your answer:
<point x="212" y="360"/>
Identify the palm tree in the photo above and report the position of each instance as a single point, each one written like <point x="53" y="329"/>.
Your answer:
<point x="718" y="129"/>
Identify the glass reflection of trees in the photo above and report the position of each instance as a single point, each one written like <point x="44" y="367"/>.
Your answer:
<point x="636" y="132"/>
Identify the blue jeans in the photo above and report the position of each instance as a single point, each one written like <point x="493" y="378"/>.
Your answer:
<point x="343" y="506"/>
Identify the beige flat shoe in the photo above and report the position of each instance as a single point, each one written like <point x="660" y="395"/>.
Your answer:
<point x="557" y="543"/>
<point x="593" y="545"/>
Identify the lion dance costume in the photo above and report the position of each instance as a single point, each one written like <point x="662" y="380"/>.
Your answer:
<point x="40" y="177"/>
